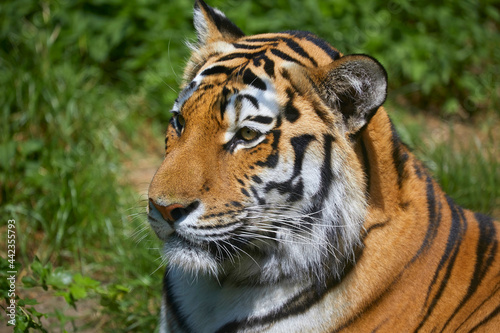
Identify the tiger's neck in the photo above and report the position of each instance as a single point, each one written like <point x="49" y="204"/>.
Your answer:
<point x="392" y="170"/>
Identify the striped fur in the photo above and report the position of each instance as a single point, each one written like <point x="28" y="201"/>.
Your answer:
<point x="287" y="202"/>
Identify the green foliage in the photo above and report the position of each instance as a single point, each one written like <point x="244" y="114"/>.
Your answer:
<point x="70" y="101"/>
<point x="119" y="301"/>
<point x="26" y="316"/>
<point x="60" y="165"/>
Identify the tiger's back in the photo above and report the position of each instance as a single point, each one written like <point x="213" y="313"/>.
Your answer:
<point x="288" y="203"/>
<point x="432" y="265"/>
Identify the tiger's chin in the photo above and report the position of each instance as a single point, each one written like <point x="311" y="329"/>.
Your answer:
<point x="198" y="261"/>
<point x="190" y="258"/>
<point x="253" y="266"/>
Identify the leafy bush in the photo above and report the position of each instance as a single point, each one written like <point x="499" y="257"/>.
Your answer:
<point x="117" y="300"/>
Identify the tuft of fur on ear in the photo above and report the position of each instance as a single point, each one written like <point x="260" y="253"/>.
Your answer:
<point x="215" y="33"/>
<point x="355" y="86"/>
<point x="212" y="25"/>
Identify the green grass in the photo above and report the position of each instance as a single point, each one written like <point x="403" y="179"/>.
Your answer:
<point x="469" y="173"/>
<point x="68" y="124"/>
<point x="81" y="81"/>
<point x="465" y="161"/>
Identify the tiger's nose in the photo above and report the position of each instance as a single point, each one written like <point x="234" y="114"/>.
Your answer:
<point x="174" y="212"/>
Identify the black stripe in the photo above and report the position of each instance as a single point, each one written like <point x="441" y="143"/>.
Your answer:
<point x="491" y="296"/>
<point x="185" y="92"/>
<point x="291" y="112"/>
<point x="251" y="99"/>
<point x="418" y="169"/>
<point x="326" y="168"/>
<point x="298" y="304"/>
<point x="251" y="79"/>
<point x="366" y="167"/>
<point x="492" y="315"/>
<point x="485" y="301"/>
<point x="272" y="159"/>
<point x="238" y="55"/>
<point x="321" y="113"/>
<point x="261" y="119"/>
<point x="260" y="200"/>
<point x="327" y="48"/>
<point x="399" y="156"/>
<point x="434" y="207"/>
<point x="262" y="40"/>
<point x="269" y="66"/>
<point x="370" y="306"/>
<point x="457" y="230"/>
<point x="295" y="47"/>
<point x="247" y="47"/>
<point x="318" y="107"/>
<point x="294" y="189"/>
<point x="205" y="86"/>
<point x="298" y="88"/>
<point x="257" y="179"/>
<point x="286" y="57"/>
<point x="219" y="69"/>
<point x="485" y="255"/>
<point x="174" y="312"/>
<point x="299" y="145"/>
<point x="376" y="226"/>
<point x="224" y="101"/>
<point x="321" y="195"/>
<point x="219" y="226"/>
<point x="322" y="44"/>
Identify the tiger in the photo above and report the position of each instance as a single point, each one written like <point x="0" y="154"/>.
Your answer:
<point x="287" y="201"/>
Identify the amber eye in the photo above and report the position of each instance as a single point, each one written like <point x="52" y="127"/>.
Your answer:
<point x="178" y="122"/>
<point x="248" y="134"/>
<point x="181" y="121"/>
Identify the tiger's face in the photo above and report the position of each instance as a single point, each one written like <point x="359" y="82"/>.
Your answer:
<point x="261" y="180"/>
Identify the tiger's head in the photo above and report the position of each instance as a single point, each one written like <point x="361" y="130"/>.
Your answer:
<point x="262" y="179"/>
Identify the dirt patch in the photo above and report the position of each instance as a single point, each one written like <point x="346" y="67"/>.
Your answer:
<point x="462" y="134"/>
<point x="144" y="160"/>
<point x="140" y="170"/>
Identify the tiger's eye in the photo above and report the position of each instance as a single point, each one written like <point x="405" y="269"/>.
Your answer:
<point x="181" y="121"/>
<point x="248" y="134"/>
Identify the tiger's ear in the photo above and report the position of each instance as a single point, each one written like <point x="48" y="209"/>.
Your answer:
<point x="212" y="25"/>
<point x="355" y="86"/>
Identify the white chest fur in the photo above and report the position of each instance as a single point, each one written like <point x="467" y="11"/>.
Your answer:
<point x="207" y="306"/>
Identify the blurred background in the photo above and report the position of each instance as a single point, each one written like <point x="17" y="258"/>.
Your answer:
<point x="85" y="89"/>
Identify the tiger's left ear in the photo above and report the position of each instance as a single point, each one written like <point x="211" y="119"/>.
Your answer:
<point x="212" y="25"/>
<point x="355" y="86"/>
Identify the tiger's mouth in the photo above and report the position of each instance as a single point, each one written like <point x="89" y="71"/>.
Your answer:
<point x="221" y="247"/>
